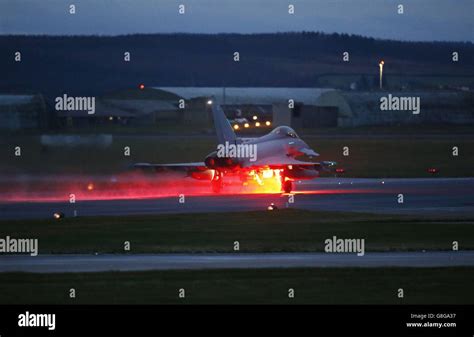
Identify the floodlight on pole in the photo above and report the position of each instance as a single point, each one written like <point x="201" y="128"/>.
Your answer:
<point x="381" y="72"/>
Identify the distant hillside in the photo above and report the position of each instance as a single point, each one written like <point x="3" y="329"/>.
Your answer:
<point x="94" y="65"/>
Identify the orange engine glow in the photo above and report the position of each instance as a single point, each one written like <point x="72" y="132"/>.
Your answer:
<point x="133" y="185"/>
<point x="136" y="185"/>
<point x="267" y="173"/>
<point x="264" y="181"/>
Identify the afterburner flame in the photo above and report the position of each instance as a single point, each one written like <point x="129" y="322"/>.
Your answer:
<point x="131" y="185"/>
<point x="265" y="181"/>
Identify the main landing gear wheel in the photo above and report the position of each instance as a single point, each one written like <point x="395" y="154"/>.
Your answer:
<point x="216" y="182"/>
<point x="287" y="186"/>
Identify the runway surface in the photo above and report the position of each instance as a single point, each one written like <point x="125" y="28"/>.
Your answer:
<point x="440" y="197"/>
<point x="142" y="262"/>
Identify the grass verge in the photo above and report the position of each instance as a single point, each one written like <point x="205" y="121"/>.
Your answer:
<point x="378" y="157"/>
<point x="259" y="286"/>
<point x="285" y="230"/>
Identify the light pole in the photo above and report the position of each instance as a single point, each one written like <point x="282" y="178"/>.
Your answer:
<point x="381" y="72"/>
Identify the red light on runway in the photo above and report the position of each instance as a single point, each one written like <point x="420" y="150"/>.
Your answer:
<point x="433" y="170"/>
<point x="141" y="86"/>
<point x="340" y="170"/>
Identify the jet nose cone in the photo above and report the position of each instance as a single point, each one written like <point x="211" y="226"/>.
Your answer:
<point x="309" y="152"/>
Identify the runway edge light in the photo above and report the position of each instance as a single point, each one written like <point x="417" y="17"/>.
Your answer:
<point x="272" y="207"/>
<point x="58" y="215"/>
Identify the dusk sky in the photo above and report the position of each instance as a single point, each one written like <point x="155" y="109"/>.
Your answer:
<point x="423" y="20"/>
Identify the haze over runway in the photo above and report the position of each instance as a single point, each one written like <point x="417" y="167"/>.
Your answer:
<point x="434" y="196"/>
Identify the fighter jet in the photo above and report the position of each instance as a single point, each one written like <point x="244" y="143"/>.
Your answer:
<point x="272" y="155"/>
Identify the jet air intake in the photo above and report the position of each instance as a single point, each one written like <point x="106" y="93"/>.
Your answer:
<point x="212" y="161"/>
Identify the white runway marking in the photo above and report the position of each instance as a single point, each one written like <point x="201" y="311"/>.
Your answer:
<point x="142" y="262"/>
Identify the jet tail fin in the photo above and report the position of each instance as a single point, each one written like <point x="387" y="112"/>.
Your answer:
<point x="224" y="131"/>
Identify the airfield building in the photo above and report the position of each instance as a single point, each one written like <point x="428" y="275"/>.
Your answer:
<point x="120" y="111"/>
<point x="19" y="112"/>
<point x="297" y="107"/>
<point x="322" y="107"/>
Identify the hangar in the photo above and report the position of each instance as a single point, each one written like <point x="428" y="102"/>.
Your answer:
<point x="23" y="112"/>
<point x="325" y="107"/>
<point x="119" y="111"/>
<point x="313" y="107"/>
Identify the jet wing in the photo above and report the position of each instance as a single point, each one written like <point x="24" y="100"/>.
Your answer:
<point x="279" y="162"/>
<point x="197" y="166"/>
